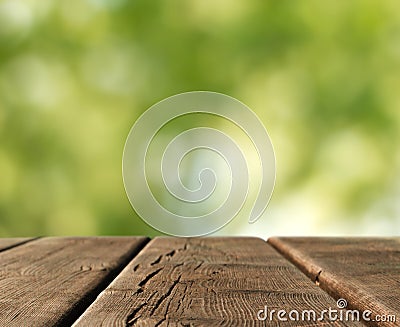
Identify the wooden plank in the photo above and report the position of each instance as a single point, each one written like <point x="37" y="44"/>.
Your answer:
<point x="8" y="243"/>
<point x="51" y="281"/>
<point x="205" y="282"/>
<point x="363" y="271"/>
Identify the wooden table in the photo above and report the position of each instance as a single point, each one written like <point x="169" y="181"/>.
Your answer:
<point x="134" y="281"/>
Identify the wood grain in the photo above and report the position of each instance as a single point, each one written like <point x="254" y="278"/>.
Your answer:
<point x="9" y="243"/>
<point x="51" y="281"/>
<point x="205" y="282"/>
<point x="364" y="271"/>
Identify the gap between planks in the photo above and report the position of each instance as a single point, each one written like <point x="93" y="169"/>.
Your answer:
<point x="10" y="243"/>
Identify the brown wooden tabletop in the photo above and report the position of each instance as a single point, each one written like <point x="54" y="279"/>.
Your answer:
<point x="225" y="281"/>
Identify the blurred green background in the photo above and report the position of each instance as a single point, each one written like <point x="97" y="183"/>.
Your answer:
<point x="323" y="76"/>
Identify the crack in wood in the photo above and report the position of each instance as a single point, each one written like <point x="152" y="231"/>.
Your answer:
<point x="167" y="308"/>
<point x="149" y="276"/>
<point x="156" y="261"/>
<point x="131" y="319"/>
<point x="182" y="300"/>
<point x="317" y="282"/>
<point x="170" y="254"/>
<point x="165" y="296"/>
<point x="199" y="265"/>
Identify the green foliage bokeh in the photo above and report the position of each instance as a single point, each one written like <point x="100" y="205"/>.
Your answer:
<point x="324" y="77"/>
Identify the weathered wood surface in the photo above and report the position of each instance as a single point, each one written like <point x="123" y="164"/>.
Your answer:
<point x="8" y="243"/>
<point x="206" y="282"/>
<point x="51" y="281"/>
<point x="364" y="271"/>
